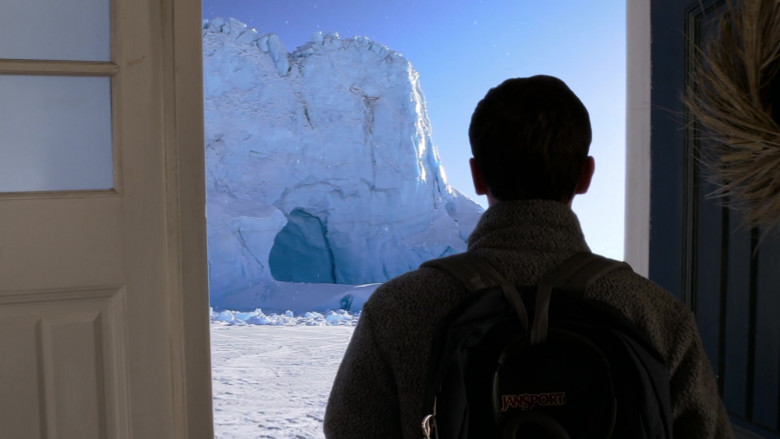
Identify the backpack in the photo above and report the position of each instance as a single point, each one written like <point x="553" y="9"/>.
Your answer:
<point x="541" y="361"/>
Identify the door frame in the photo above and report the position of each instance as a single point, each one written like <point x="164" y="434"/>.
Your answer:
<point x="180" y="44"/>
<point x="638" y="64"/>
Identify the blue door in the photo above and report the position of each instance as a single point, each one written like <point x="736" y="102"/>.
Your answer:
<point x="728" y="273"/>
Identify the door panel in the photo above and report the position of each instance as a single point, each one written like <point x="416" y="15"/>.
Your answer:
<point x="701" y="250"/>
<point x="33" y="229"/>
<point x="68" y="365"/>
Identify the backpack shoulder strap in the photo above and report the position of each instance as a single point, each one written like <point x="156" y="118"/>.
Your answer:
<point x="575" y="275"/>
<point x="471" y="270"/>
<point x="581" y="270"/>
<point x="477" y="274"/>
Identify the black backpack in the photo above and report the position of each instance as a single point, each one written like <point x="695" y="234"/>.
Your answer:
<point x="541" y="361"/>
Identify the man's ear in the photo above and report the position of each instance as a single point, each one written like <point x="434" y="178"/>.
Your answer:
<point x="587" y="174"/>
<point x="480" y="187"/>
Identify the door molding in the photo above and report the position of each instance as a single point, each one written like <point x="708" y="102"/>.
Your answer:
<point x="637" y="222"/>
<point x="185" y="195"/>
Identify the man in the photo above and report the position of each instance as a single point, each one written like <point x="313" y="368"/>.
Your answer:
<point x="530" y="140"/>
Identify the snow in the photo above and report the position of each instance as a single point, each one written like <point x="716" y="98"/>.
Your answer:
<point x="321" y="169"/>
<point x="288" y="318"/>
<point x="273" y="381"/>
<point x="272" y="372"/>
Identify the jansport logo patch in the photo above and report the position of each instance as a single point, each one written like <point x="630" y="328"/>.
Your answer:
<point x="527" y="401"/>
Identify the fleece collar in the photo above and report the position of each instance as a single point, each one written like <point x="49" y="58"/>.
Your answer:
<point x="541" y="225"/>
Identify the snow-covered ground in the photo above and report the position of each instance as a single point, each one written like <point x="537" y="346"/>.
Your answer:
<point x="272" y="376"/>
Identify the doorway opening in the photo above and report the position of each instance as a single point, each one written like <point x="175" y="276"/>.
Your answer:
<point x="286" y="155"/>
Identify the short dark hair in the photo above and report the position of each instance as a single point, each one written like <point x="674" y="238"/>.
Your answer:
<point x="530" y="139"/>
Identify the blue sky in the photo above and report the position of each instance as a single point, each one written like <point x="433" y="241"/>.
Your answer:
<point x="461" y="48"/>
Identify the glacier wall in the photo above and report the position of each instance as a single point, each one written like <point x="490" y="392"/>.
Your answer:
<point x="320" y="166"/>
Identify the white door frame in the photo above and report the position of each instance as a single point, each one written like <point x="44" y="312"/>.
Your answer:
<point x="637" y="222"/>
<point x="180" y="44"/>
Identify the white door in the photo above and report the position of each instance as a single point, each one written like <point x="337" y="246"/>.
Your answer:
<point x="103" y="284"/>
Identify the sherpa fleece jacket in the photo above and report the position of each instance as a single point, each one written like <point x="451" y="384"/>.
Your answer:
<point x="379" y="386"/>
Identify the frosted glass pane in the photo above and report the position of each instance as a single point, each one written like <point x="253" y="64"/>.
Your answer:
<point x="55" y="133"/>
<point x="55" y="29"/>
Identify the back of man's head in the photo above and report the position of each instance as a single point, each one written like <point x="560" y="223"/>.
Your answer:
<point x="530" y="139"/>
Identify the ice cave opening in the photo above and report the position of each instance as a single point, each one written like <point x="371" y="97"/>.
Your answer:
<point x="301" y="251"/>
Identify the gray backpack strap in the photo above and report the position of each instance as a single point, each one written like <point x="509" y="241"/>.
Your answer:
<point x="574" y="274"/>
<point x="477" y="274"/>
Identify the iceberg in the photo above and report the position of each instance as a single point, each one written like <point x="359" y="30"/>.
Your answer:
<point x="320" y="168"/>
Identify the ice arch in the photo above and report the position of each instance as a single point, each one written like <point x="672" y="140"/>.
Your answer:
<point x="301" y="251"/>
